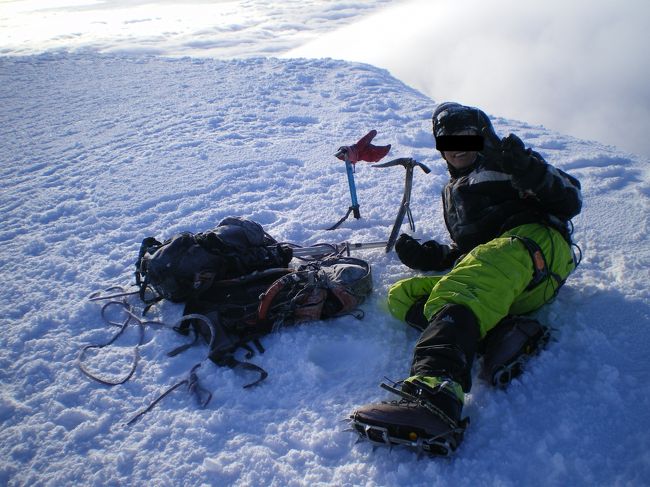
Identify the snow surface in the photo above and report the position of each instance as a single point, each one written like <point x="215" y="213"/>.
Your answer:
<point x="100" y="151"/>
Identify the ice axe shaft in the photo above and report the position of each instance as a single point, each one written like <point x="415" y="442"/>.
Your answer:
<point x="353" y="189"/>
<point x="354" y="208"/>
<point x="405" y="206"/>
<point x="320" y="250"/>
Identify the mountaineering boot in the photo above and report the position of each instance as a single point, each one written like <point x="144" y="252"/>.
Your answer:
<point x="509" y="345"/>
<point x="428" y="415"/>
<point x="426" y="418"/>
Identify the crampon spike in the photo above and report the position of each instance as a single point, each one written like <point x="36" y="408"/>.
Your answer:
<point x="439" y="446"/>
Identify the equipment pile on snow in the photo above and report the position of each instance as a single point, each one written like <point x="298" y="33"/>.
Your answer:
<point x="237" y="286"/>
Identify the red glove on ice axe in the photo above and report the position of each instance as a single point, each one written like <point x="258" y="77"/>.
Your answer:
<point x="363" y="150"/>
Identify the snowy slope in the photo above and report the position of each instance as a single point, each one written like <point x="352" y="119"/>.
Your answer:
<point x="100" y="151"/>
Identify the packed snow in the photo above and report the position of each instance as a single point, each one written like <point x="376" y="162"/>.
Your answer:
<point x="99" y="151"/>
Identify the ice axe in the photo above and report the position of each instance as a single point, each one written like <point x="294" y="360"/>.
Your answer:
<point x="405" y="208"/>
<point x="363" y="150"/>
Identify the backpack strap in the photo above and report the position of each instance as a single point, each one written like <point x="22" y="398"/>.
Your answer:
<point x="129" y="317"/>
<point x="221" y="346"/>
<point x="203" y="396"/>
<point x="230" y="361"/>
<point x="149" y="244"/>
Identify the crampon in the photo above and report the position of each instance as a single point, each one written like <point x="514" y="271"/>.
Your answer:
<point x="510" y="346"/>
<point x="422" y="420"/>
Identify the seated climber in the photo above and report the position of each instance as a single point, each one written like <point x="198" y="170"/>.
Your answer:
<point x="508" y="214"/>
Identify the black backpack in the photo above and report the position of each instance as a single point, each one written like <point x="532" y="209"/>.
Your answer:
<point x="187" y="264"/>
<point x="236" y="286"/>
<point x="234" y="314"/>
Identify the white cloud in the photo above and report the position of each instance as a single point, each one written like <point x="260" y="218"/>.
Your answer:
<point x="576" y="67"/>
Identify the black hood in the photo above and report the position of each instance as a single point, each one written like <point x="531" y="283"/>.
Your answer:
<point x="451" y="117"/>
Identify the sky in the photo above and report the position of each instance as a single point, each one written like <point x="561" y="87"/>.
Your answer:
<point x="578" y="67"/>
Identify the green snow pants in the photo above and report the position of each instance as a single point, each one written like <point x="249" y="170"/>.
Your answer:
<point x="492" y="280"/>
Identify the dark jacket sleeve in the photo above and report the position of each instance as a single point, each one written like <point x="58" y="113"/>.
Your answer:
<point x="556" y="191"/>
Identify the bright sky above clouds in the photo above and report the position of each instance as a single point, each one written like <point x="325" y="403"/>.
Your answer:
<point x="576" y="67"/>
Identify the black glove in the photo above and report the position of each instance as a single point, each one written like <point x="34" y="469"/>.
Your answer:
<point x="515" y="158"/>
<point x="429" y="256"/>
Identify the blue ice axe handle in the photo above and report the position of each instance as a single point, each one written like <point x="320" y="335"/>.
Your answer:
<point x="353" y="189"/>
<point x="354" y="209"/>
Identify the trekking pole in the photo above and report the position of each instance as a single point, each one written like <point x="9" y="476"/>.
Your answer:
<point x="363" y="150"/>
<point x="405" y="207"/>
